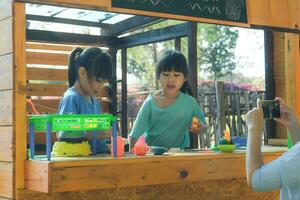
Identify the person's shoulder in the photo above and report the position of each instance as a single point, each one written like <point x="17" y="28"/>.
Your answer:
<point x="71" y="95"/>
<point x="187" y="97"/>
<point x="292" y="155"/>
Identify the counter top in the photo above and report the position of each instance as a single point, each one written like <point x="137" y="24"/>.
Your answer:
<point x="102" y="172"/>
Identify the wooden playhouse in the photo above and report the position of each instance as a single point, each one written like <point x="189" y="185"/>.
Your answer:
<point x="186" y="175"/>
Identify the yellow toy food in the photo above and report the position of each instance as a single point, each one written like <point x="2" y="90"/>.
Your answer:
<point x="65" y="149"/>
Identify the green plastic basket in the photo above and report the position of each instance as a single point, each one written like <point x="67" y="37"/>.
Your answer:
<point x="72" y="122"/>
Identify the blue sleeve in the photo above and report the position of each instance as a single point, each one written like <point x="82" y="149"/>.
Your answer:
<point x="267" y="177"/>
<point x="142" y="120"/>
<point x="68" y="106"/>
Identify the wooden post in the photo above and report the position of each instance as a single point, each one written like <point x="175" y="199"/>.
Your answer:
<point x="221" y="120"/>
<point x="113" y="83"/>
<point x="192" y="59"/>
<point x="269" y="80"/>
<point x="124" y="93"/>
<point x="178" y="44"/>
<point x="20" y="91"/>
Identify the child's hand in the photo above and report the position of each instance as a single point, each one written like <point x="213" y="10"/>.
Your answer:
<point x="196" y="126"/>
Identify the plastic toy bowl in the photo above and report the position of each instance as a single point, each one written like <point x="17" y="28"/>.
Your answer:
<point x="158" y="150"/>
<point x="227" y="148"/>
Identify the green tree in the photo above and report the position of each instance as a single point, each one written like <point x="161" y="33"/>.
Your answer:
<point x="217" y="44"/>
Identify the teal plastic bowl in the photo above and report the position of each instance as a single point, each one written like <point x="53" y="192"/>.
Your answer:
<point x="158" y="150"/>
<point x="227" y="148"/>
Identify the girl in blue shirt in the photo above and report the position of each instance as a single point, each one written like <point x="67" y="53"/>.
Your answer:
<point x="165" y="117"/>
<point x="88" y="70"/>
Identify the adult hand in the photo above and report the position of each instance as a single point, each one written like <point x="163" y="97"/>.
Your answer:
<point x="254" y="118"/>
<point x="286" y="114"/>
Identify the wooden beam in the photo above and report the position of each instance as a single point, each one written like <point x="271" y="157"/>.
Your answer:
<point x="157" y="35"/>
<point x="193" y="71"/>
<point x="50" y="106"/>
<point x="124" y="119"/>
<point x="47" y="58"/>
<point x="38" y="176"/>
<point x="260" y="12"/>
<point x="269" y="81"/>
<point x="67" y="38"/>
<point x="296" y="42"/>
<point x="6" y="179"/>
<point x="19" y="100"/>
<point x="67" y="21"/>
<point x="6" y="144"/>
<point x="55" y="90"/>
<point x="47" y="74"/>
<point x="177" y="45"/>
<point x="132" y="24"/>
<point x="85" y="4"/>
<point x="277" y="142"/>
<point x="50" y="47"/>
<point x="112" y="91"/>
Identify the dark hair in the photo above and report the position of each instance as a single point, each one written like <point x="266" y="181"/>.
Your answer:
<point x="174" y="60"/>
<point x="96" y="63"/>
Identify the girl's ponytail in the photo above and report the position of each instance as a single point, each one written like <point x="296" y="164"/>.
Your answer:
<point x="72" y="70"/>
<point x="187" y="89"/>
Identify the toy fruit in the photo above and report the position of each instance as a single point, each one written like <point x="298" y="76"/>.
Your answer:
<point x="226" y="145"/>
<point x="195" y="122"/>
<point x="140" y="147"/>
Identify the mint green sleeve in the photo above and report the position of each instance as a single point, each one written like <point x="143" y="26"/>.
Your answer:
<point x="199" y="113"/>
<point x="142" y="121"/>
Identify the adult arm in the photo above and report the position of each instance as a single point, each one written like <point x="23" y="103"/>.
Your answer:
<point x="255" y="122"/>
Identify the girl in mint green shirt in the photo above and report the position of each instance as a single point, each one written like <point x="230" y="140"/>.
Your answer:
<point x="165" y="117"/>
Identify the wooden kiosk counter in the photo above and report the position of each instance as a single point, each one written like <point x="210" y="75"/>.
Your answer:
<point x="187" y="175"/>
<point x="193" y="175"/>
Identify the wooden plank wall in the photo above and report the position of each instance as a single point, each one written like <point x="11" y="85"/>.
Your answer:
<point x="296" y="42"/>
<point x="47" y="78"/>
<point x="47" y="75"/>
<point x="286" y="68"/>
<point x="6" y="103"/>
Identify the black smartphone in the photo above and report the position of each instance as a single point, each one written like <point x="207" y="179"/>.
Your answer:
<point x="271" y="109"/>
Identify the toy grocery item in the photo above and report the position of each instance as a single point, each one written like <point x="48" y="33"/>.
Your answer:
<point x="71" y="149"/>
<point x="140" y="147"/>
<point x="195" y="122"/>
<point x="120" y="146"/>
<point x="226" y="145"/>
<point x="158" y="150"/>
<point x="70" y="122"/>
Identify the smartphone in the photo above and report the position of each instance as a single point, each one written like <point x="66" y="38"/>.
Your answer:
<point x="271" y="109"/>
